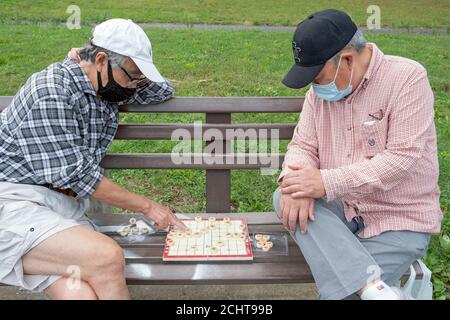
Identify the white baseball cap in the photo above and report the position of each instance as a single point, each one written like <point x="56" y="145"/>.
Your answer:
<point x="128" y="39"/>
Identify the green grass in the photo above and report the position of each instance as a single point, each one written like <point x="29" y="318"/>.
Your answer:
<point x="228" y="63"/>
<point x="398" y="13"/>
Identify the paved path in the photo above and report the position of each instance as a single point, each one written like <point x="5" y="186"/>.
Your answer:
<point x="264" y="28"/>
<point x="199" y="26"/>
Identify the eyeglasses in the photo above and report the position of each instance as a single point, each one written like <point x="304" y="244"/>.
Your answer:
<point x="377" y="115"/>
<point x="136" y="83"/>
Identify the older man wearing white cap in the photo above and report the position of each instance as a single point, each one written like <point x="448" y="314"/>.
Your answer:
<point x="52" y="138"/>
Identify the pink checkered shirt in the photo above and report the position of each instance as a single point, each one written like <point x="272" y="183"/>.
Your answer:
<point x="376" y="149"/>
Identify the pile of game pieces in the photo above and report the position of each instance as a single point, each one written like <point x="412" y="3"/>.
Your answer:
<point x="135" y="227"/>
<point x="263" y="242"/>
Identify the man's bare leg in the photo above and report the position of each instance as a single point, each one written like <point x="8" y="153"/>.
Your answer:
<point x="63" y="289"/>
<point x="99" y="259"/>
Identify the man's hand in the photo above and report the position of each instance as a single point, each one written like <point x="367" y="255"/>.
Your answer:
<point x="293" y="210"/>
<point x="74" y="54"/>
<point x="110" y="193"/>
<point x="163" y="216"/>
<point x="303" y="182"/>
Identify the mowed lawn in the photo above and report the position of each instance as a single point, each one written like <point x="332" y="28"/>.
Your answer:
<point x="397" y="13"/>
<point x="227" y="63"/>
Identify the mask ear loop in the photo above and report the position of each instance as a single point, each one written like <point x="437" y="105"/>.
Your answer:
<point x="337" y="69"/>
<point x="99" y="80"/>
<point x="351" y="74"/>
<point x="351" y="77"/>
<point x="110" y="74"/>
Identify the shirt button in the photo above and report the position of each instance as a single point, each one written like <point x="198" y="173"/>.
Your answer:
<point x="371" y="142"/>
<point x="349" y="155"/>
<point x="349" y="128"/>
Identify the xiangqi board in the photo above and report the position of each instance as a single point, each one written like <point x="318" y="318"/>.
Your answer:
<point x="209" y="239"/>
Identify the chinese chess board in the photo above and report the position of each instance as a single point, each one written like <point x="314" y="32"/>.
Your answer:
<point x="210" y="239"/>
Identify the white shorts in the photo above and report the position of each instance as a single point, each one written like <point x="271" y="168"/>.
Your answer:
<point x="30" y="214"/>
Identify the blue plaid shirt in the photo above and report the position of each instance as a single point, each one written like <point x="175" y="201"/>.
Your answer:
<point x="56" y="131"/>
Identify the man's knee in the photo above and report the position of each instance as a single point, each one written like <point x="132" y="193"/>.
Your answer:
<point x="107" y="260"/>
<point x="277" y="198"/>
<point x="111" y="257"/>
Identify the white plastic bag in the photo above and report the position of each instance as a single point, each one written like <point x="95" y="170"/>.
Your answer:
<point x="418" y="289"/>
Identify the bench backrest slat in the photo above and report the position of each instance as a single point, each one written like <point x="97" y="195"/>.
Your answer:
<point x="165" y="131"/>
<point x="222" y="105"/>
<point x="210" y="105"/>
<point x="190" y="161"/>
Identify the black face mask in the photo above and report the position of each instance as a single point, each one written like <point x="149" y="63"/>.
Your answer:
<point x="113" y="92"/>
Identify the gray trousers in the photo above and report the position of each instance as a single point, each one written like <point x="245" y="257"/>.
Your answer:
<point x="341" y="262"/>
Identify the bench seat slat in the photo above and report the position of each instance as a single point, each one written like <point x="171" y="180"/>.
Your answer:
<point x="215" y="273"/>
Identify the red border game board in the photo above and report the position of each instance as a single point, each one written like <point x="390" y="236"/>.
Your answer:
<point x="212" y="239"/>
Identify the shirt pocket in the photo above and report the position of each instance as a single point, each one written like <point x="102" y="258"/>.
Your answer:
<point x="374" y="138"/>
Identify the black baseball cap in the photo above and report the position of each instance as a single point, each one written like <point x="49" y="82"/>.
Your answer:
<point x="317" y="39"/>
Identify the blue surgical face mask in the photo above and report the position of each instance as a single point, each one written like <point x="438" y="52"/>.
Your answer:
<point x="329" y="91"/>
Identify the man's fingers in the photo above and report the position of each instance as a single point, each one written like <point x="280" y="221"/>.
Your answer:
<point x="156" y="217"/>
<point x="285" y="216"/>
<point x="163" y="218"/>
<point x="292" y="174"/>
<point x="177" y="222"/>
<point x="161" y="224"/>
<point x="311" y="210"/>
<point x="293" y="217"/>
<point x="295" y="167"/>
<point x="281" y="207"/>
<point x="303" y="219"/>
<point x="292" y="189"/>
<point x="74" y="54"/>
<point x="301" y="194"/>
<point x="291" y="181"/>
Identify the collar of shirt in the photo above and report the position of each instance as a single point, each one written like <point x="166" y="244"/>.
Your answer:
<point x="81" y="79"/>
<point x="375" y="62"/>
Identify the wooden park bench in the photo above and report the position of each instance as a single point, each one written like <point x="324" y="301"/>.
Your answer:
<point x="144" y="263"/>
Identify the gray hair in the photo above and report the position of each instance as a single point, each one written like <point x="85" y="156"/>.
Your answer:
<point x="89" y="52"/>
<point x="357" y="43"/>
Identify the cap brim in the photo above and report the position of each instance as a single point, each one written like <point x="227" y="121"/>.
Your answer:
<point x="149" y="70"/>
<point x="299" y="77"/>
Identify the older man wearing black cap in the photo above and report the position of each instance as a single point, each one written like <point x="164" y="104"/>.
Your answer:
<point x="362" y="164"/>
<point x="53" y="137"/>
